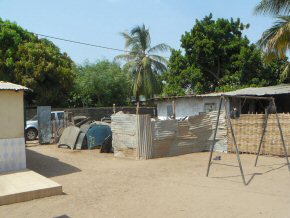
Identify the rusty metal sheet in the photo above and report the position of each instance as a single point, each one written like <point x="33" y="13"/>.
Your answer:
<point x="69" y="137"/>
<point x="80" y="141"/>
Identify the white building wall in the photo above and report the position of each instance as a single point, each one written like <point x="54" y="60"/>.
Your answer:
<point x="186" y="106"/>
<point x="12" y="143"/>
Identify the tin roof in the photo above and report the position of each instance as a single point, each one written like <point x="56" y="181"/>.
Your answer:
<point x="11" y="86"/>
<point x="214" y="94"/>
<point x="261" y="91"/>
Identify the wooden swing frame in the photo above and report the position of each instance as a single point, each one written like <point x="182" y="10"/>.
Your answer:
<point x="225" y="98"/>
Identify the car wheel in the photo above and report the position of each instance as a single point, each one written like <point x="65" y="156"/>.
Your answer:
<point x="31" y="134"/>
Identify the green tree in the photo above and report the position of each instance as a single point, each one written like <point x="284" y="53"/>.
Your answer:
<point x="275" y="41"/>
<point x="35" y="63"/>
<point x="143" y="61"/>
<point x="217" y="57"/>
<point x="102" y="83"/>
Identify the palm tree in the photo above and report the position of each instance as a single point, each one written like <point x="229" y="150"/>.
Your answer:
<point x="275" y="41"/>
<point x="273" y="7"/>
<point x="143" y="62"/>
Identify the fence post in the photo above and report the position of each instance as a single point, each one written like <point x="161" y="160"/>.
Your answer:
<point x="137" y="108"/>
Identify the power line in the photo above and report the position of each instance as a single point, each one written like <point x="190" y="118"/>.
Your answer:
<point x="81" y="43"/>
<point x="78" y="42"/>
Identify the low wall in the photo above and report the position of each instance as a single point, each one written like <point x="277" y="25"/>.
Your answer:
<point x="136" y="136"/>
<point x="97" y="113"/>
<point x="248" y="131"/>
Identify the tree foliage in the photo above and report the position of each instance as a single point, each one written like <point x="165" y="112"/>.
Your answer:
<point x="35" y="63"/>
<point x="143" y="61"/>
<point x="216" y="57"/>
<point x="102" y="83"/>
<point x="275" y="41"/>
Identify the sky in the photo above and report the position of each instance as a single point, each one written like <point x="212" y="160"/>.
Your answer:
<point x="101" y="21"/>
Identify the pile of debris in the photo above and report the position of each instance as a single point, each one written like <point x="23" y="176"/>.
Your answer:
<point x="87" y="134"/>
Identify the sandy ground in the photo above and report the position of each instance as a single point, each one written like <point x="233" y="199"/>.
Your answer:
<point x="99" y="185"/>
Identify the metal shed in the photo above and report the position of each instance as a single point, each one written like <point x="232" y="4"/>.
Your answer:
<point x="281" y="94"/>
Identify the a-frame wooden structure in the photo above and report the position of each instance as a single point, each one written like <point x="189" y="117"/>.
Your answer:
<point x="225" y="99"/>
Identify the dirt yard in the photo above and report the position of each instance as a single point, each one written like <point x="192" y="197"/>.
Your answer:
<point x="99" y="185"/>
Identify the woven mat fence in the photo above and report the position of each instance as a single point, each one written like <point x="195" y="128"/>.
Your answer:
<point x="248" y="130"/>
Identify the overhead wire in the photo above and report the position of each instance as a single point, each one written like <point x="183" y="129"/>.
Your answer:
<point x="78" y="42"/>
<point x="81" y="43"/>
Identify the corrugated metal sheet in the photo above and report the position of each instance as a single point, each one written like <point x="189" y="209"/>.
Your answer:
<point x="260" y="91"/>
<point x="144" y="137"/>
<point x="173" y="137"/>
<point x="138" y="137"/>
<point x="11" y="86"/>
<point x="164" y="129"/>
<point x="124" y="134"/>
<point x="214" y="94"/>
<point x="221" y="143"/>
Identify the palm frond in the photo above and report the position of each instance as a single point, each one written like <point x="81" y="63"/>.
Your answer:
<point x="273" y="7"/>
<point x="143" y="36"/>
<point x="150" y="83"/>
<point x="285" y="75"/>
<point x="160" y="59"/>
<point x="276" y="40"/>
<point x="129" y="39"/>
<point x="158" y="67"/>
<point x="124" y="57"/>
<point x="160" y="48"/>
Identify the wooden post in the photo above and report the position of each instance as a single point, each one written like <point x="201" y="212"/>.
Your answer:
<point x="114" y="108"/>
<point x="214" y="137"/>
<point x="281" y="135"/>
<point x="235" y="142"/>
<point x="262" y="138"/>
<point x="223" y="98"/>
<point x="137" y="108"/>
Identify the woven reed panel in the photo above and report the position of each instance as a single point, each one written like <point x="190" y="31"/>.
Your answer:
<point x="248" y="131"/>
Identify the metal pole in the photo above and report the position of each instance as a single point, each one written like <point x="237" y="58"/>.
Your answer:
<point x="262" y="138"/>
<point x="174" y="110"/>
<point x="214" y="137"/>
<point x="236" y="146"/>
<point x="281" y="135"/>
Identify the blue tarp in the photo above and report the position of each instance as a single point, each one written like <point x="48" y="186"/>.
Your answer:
<point x="96" y="135"/>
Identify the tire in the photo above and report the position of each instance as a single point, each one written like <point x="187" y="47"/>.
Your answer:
<point x="31" y="134"/>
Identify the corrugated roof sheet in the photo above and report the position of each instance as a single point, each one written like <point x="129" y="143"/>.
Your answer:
<point x="214" y="94"/>
<point x="11" y="86"/>
<point x="261" y="91"/>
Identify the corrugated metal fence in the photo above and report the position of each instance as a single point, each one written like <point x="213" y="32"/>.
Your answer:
<point x="136" y="136"/>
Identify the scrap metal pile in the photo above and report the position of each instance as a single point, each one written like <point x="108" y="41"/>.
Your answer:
<point x="87" y="134"/>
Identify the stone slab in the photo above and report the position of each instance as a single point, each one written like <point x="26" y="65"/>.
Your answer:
<point x="25" y="185"/>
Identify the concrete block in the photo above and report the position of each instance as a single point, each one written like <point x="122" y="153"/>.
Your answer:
<point x="25" y="185"/>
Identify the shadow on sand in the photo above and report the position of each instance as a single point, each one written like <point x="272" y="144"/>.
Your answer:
<point x="252" y="175"/>
<point x="48" y="166"/>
